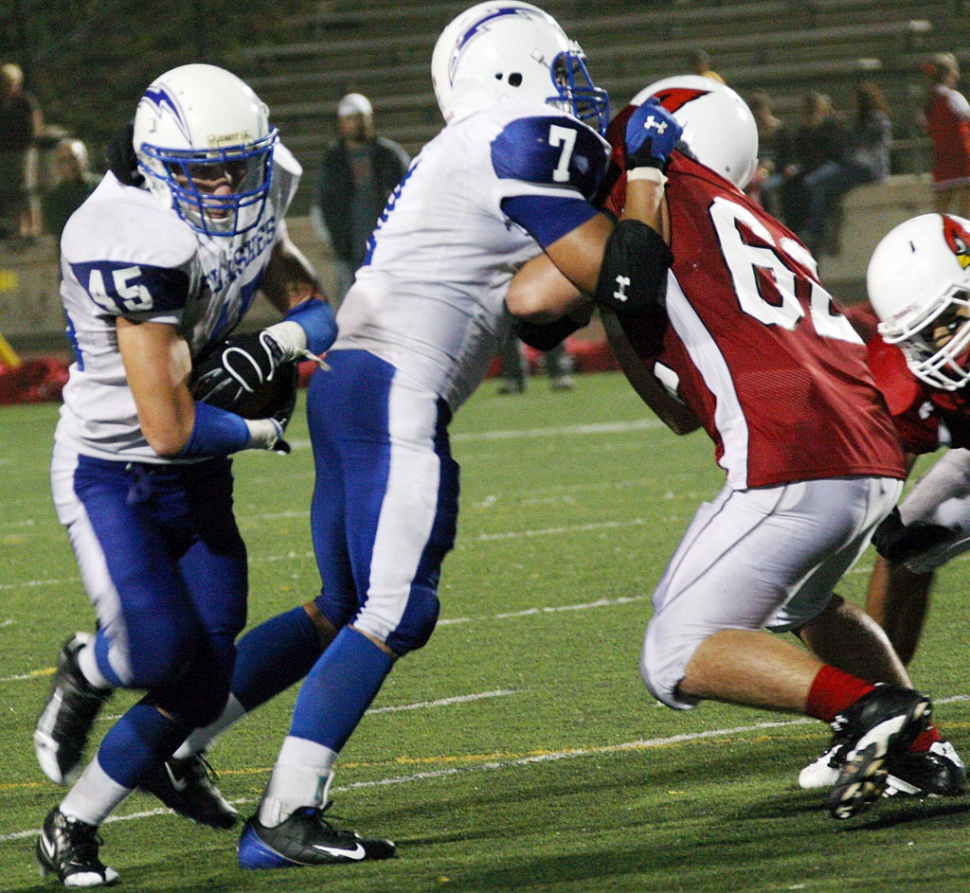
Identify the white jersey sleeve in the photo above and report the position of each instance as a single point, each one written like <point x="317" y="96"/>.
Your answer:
<point x="482" y="198"/>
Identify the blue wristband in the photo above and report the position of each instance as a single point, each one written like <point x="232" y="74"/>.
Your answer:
<point x="316" y="319"/>
<point x="216" y="432"/>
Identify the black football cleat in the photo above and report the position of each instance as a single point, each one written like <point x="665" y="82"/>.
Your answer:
<point x="186" y="786"/>
<point x="937" y="772"/>
<point x="305" y="838"/>
<point x="69" y="848"/>
<point x="875" y="729"/>
<point x="65" y="722"/>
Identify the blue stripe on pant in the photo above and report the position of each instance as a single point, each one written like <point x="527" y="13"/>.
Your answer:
<point x="385" y="505"/>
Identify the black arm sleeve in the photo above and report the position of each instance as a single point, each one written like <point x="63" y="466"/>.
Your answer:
<point x="633" y="278"/>
<point x="546" y="336"/>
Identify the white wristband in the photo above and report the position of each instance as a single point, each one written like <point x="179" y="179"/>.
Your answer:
<point x="654" y="174"/>
<point x="263" y="433"/>
<point x="291" y="338"/>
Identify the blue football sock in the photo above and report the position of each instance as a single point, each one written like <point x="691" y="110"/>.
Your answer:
<point x="339" y="689"/>
<point x="274" y="655"/>
<point x="137" y="742"/>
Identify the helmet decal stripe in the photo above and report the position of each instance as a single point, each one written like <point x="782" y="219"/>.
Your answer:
<point x="675" y="98"/>
<point x="478" y="28"/>
<point x="161" y="98"/>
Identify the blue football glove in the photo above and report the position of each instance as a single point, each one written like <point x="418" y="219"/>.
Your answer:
<point x="651" y="134"/>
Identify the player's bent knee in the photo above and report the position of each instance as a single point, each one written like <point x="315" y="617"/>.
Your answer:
<point x="418" y="622"/>
<point x="663" y="667"/>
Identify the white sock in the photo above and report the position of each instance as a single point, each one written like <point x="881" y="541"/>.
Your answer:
<point x="202" y="739"/>
<point x="301" y="777"/>
<point x="94" y="796"/>
<point x="88" y="664"/>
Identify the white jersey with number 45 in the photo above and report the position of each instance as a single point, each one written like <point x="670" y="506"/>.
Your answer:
<point x="124" y="254"/>
<point x="483" y="197"/>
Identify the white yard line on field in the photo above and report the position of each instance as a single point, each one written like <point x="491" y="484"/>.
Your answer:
<point x="559" y="431"/>
<point x="447" y="702"/>
<point x="532" y="759"/>
<point x="562" y="431"/>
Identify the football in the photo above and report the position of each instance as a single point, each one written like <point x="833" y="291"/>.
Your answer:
<point x="264" y="401"/>
<point x="271" y="396"/>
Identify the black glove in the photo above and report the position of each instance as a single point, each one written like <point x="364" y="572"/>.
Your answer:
<point x="898" y="542"/>
<point x="236" y="375"/>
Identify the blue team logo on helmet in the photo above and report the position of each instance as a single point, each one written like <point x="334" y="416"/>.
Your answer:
<point x="161" y="99"/>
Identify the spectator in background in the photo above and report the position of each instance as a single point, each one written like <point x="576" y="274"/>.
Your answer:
<point x="773" y="147"/>
<point x="820" y="138"/>
<point x="866" y="161"/>
<point x="702" y="66"/>
<point x="75" y="182"/>
<point x="947" y="122"/>
<point x="515" y="366"/>
<point x="357" y="175"/>
<point x="21" y="124"/>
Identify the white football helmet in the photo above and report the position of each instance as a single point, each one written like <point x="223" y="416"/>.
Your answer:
<point x="718" y="125"/>
<point x="919" y="286"/>
<point x="497" y="51"/>
<point x="199" y="124"/>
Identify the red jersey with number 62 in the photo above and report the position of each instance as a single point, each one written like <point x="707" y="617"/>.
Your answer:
<point x="775" y="374"/>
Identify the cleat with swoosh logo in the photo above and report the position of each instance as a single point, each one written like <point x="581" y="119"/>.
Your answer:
<point x="186" y="786"/>
<point x="68" y="848"/>
<point x="306" y="838"/>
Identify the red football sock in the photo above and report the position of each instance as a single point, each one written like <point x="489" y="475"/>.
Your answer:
<point x="926" y="738"/>
<point x="832" y="691"/>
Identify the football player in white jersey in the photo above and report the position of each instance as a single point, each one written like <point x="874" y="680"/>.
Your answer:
<point x="158" y="267"/>
<point x="511" y="176"/>
<point x="796" y="510"/>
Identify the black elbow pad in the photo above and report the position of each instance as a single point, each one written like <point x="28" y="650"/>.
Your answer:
<point x="633" y="278"/>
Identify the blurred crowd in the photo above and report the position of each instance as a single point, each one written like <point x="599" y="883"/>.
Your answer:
<point x="807" y="167"/>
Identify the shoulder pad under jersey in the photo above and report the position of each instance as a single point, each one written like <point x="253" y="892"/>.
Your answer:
<point x="128" y="252"/>
<point x="555" y="149"/>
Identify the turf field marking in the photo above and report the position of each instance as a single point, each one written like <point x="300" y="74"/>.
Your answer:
<point x="562" y="431"/>
<point x="529" y="760"/>
<point x="601" y="603"/>
<point x="552" y="531"/>
<point x="445" y="702"/>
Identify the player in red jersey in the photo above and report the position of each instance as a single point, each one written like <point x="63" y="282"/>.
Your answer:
<point x="742" y="340"/>
<point x="919" y="289"/>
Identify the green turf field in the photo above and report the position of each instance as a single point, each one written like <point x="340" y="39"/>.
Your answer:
<point x="519" y="750"/>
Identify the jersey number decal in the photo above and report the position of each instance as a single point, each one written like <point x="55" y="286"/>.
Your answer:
<point x="565" y="137"/>
<point x="123" y="295"/>
<point x="766" y="281"/>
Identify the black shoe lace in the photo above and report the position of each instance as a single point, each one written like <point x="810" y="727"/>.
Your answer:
<point x="83" y="841"/>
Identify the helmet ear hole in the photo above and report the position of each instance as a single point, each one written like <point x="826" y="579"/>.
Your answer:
<point x="515" y="79"/>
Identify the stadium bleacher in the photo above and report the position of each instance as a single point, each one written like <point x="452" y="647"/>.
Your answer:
<point x="383" y="49"/>
<point x="783" y="46"/>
